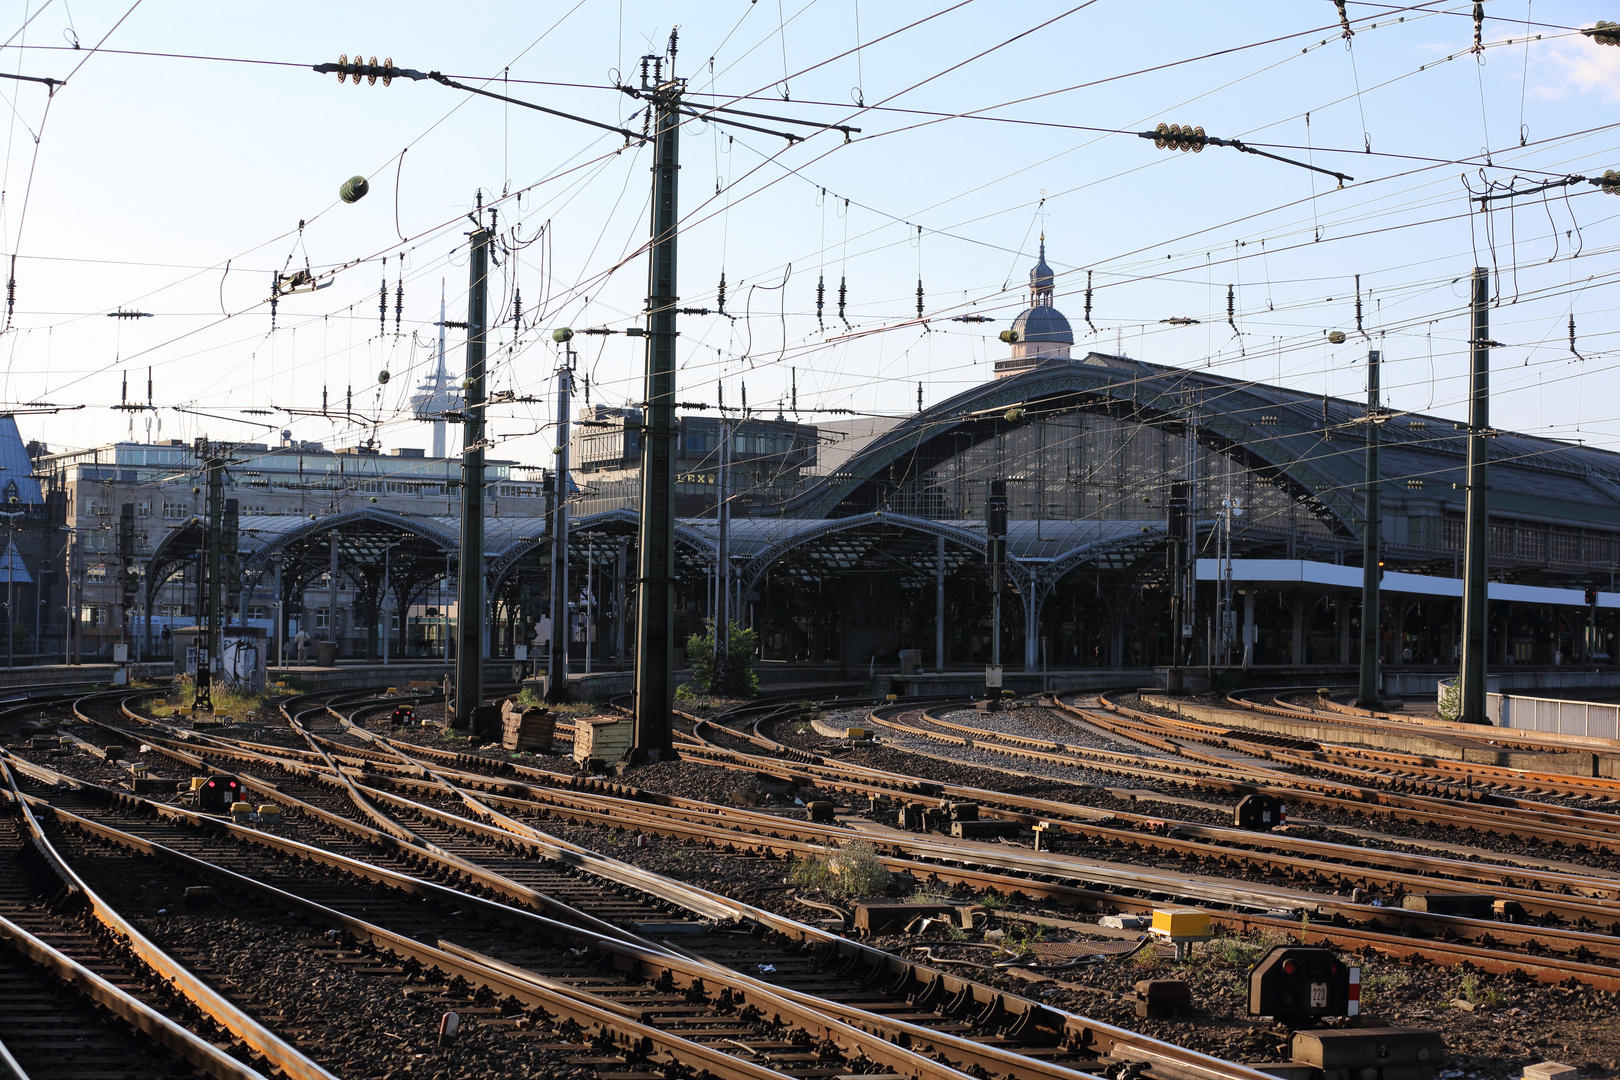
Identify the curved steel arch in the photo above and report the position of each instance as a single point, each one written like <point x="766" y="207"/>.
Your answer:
<point x="1293" y="449"/>
<point x="502" y="564"/>
<point x="417" y="527"/>
<point x="758" y="564"/>
<point x="1079" y="556"/>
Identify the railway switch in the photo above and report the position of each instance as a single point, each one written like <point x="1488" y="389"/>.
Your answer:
<point x="822" y="811"/>
<point x="1298" y="982"/>
<point x="1260" y="813"/>
<point x="1459" y="905"/>
<point x="1386" y="1053"/>
<point x="988" y="829"/>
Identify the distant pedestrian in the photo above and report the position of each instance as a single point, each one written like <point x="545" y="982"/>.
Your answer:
<point x="168" y="641"/>
<point x="301" y="642"/>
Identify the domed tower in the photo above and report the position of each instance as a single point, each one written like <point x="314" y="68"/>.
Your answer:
<point x="1040" y="334"/>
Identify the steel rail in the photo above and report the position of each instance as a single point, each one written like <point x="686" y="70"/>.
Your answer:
<point x="1475" y="804"/>
<point x="10" y="1065"/>
<point x="447" y="863"/>
<point x="128" y="1008"/>
<point x="1320" y="858"/>
<point x="1351" y="716"/>
<point x="1087" y="1031"/>
<point x="1083" y="1031"/>
<point x="1575" y="943"/>
<point x="1474" y="772"/>
<point x="1523" y="819"/>
<point x="804" y="1012"/>
<point x="888" y="1027"/>
<point x="282" y="1055"/>
<point x="573" y="1003"/>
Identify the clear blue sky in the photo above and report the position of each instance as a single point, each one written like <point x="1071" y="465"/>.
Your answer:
<point x="151" y="172"/>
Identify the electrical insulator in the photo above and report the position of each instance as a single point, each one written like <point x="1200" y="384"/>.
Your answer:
<point x="821" y="298"/>
<point x="1610" y="183"/>
<point x="1336" y="337"/>
<point x="919" y="298"/>
<point x="1088" y="303"/>
<point x="354" y="189"/>
<point x="1604" y="33"/>
<point x="1176" y="137"/>
<point x="842" y="292"/>
<point x="372" y="71"/>
<point x="382" y="307"/>
<point x="1009" y="336"/>
<point x="1344" y="20"/>
<point x="721" y="297"/>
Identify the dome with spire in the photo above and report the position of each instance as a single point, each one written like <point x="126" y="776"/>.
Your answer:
<point x="1041" y="333"/>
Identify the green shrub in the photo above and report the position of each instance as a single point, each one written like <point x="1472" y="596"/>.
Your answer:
<point x="227" y="699"/>
<point x="851" y="870"/>
<point x="1449" y="704"/>
<point x="740" y="678"/>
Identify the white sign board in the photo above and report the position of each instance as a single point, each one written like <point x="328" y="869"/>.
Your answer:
<point x="992" y="676"/>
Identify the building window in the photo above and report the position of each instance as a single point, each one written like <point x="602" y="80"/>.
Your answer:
<point x="143" y="509"/>
<point x="175" y="511"/>
<point x="97" y="572"/>
<point x="323" y="618"/>
<point x="257" y="613"/>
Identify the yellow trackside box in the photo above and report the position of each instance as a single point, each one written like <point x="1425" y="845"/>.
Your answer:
<point x="857" y="733"/>
<point x="1181" y="922"/>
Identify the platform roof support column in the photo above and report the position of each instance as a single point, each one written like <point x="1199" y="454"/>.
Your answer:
<point x="1296" y="650"/>
<point x="1032" y="625"/>
<point x="1344" y="628"/>
<point x="1248" y="627"/>
<point x="939" y="603"/>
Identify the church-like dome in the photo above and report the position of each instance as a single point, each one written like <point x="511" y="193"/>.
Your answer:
<point x="1040" y="333"/>
<point x="1043" y="323"/>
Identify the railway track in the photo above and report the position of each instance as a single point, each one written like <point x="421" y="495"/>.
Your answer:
<point x="436" y="816"/>
<point x="1134" y="889"/>
<point x="1537" y="942"/>
<point x="902" y="1003"/>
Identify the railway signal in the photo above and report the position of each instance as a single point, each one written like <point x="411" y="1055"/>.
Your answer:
<point x="1303" y="982"/>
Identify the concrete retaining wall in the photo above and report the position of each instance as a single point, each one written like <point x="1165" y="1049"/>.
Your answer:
<point x="79" y="674"/>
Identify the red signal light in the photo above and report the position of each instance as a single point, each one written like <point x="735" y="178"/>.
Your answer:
<point x="210" y="783"/>
<point x="1290" y="967"/>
